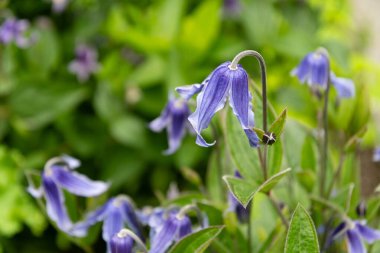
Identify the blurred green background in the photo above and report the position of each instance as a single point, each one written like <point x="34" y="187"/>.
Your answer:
<point x="146" y="49"/>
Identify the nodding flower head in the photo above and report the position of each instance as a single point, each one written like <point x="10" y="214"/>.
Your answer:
<point x="59" y="174"/>
<point x="85" y="62"/>
<point x="174" y="118"/>
<point x="314" y="70"/>
<point x="355" y="232"/>
<point x="14" y="30"/>
<point x="115" y="213"/>
<point x="224" y="82"/>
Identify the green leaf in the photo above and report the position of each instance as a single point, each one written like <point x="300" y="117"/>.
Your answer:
<point x="197" y="242"/>
<point x="278" y="125"/>
<point x="244" y="190"/>
<point x="354" y="141"/>
<point x="129" y="130"/>
<point x="301" y="237"/>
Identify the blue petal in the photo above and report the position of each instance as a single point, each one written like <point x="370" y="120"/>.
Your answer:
<point x="72" y="162"/>
<point x="376" y="155"/>
<point x="187" y="91"/>
<point x="112" y="224"/>
<point x="35" y="192"/>
<point x="121" y="244"/>
<point x="211" y="99"/>
<point x="130" y="216"/>
<point x="319" y="70"/>
<point x="369" y="234"/>
<point x="355" y="244"/>
<point x="302" y="70"/>
<point x="80" y="228"/>
<point x="184" y="224"/>
<point x="55" y="203"/>
<point x="166" y="235"/>
<point x="161" y="122"/>
<point x="344" y="86"/>
<point x="176" y="128"/>
<point x="76" y="183"/>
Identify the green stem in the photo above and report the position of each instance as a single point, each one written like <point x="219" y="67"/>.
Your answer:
<point x="278" y="210"/>
<point x="336" y="174"/>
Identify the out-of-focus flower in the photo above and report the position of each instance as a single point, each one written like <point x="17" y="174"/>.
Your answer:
<point x="116" y="213"/>
<point x="85" y="62"/>
<point x="59" y="5"/>
<point x="231" y="7"/>
<point x="58" y="174"/>
<point x="222" y="83"/>
<point x="314" y="70"/>
<point x="174" y="119"/>
<point x="14" y="30"/>
<point x="355" y="232"/>
<point x="121" y="242"/>
<point x="345" y="87"/>
<point x="376" y="155"/>
<point x="235" y="206"/>
<point x="174" y="228"/>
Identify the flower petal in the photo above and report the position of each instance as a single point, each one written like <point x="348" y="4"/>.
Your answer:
<point x="319" y="70"/>
<point x="80" y="228"/>
<point x="302" y="70"/>
<point x="176" y="127"/>
<point x="355" y="244"/>
<point x="160" y="123"/>
<point x="76" y="183"/>
<point x="165" y="236"/>
<point x="344" y="86"/>
<point x="369" y="234"/>
<point x="210" y="100"/>
<point x="121" y="244"/>
<point x="35" y="192"/>
<point x="187" y="91"/>
<point x="184" y="224"/>
<point x="130" y="216"/>
<point x="72" y="162"/>
<point x="55" y="203"/>
<point x="376" y="155"/>
<point x="113" y="223"/>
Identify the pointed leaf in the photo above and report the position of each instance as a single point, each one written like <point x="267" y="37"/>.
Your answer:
<point x="198" y="241"/>
<point x="302" y="237"/>
<point x="353" y="142"/>
<point x="278" y="125"/>
<point x="244" y="190"/>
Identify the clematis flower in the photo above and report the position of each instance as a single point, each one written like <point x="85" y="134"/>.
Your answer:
<point x="174" y="119"/>
<point x="355" y="232"/>
<point x="235" y="206"/>
<point x="59" y="5"/>
<point x="173" y="229"/>
<point x="121" y="243"/>
<point x="376" y="155"/>
<point x="58" y="174"/>
<point x="115" y="213"/>
<point x="222" y="83"/>
<point x="314" y="70"/>
<point x="85" y="62"/>
<point x="14" y="30"/>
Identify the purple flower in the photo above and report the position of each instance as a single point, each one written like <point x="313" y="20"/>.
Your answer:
<point x="121" y="243"/>
<point x="355" y="232"/>
<point x="222" y="83"/>
<point x="174" y="119"/>
<point x="376" y="155"/>
<point x="232" y="7"/>
<point x="314" y="70"/>
<point x="59" y="5"/>
<point x="58" y="174"/>
<point x="235" y="206"/>
<point x="115" y="213"/>
<point x="174" y="228"/>
<point x="14" y="30"/>
<point x="85" y="62"/>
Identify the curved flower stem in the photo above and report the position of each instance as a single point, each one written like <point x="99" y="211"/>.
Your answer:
<point x="263" y="72"/>
<point x="324" y="145"/>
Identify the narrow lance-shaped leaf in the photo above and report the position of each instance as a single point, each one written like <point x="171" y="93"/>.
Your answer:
<point x="355" y="140"/>
<point x="244" y="190"/>
<point x="278" y="125"/>
<point x="302" y="237"/>
<point x="198" y="241"/>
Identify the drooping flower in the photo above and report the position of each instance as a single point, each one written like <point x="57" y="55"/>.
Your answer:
<point x="14" y="30"/>
<point x="85" y="62"/>
<point x="115" y="214"/>
<point x="235" y="206"/>
<point x="174" y="228"/>
<point x="355" y="232"/>
<point x="59" y="5"/>
<point x="314" y="70"/>
<point x="121" y="242"/>
<point x="59" y="174"/>
<point x="174" y="119"/>
<point x="376" y="155"/>
<point x="222" y="83"/>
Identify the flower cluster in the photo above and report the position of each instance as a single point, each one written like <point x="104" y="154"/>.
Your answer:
<point x="15" y="30"/>
<point x="85" y="62"/>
